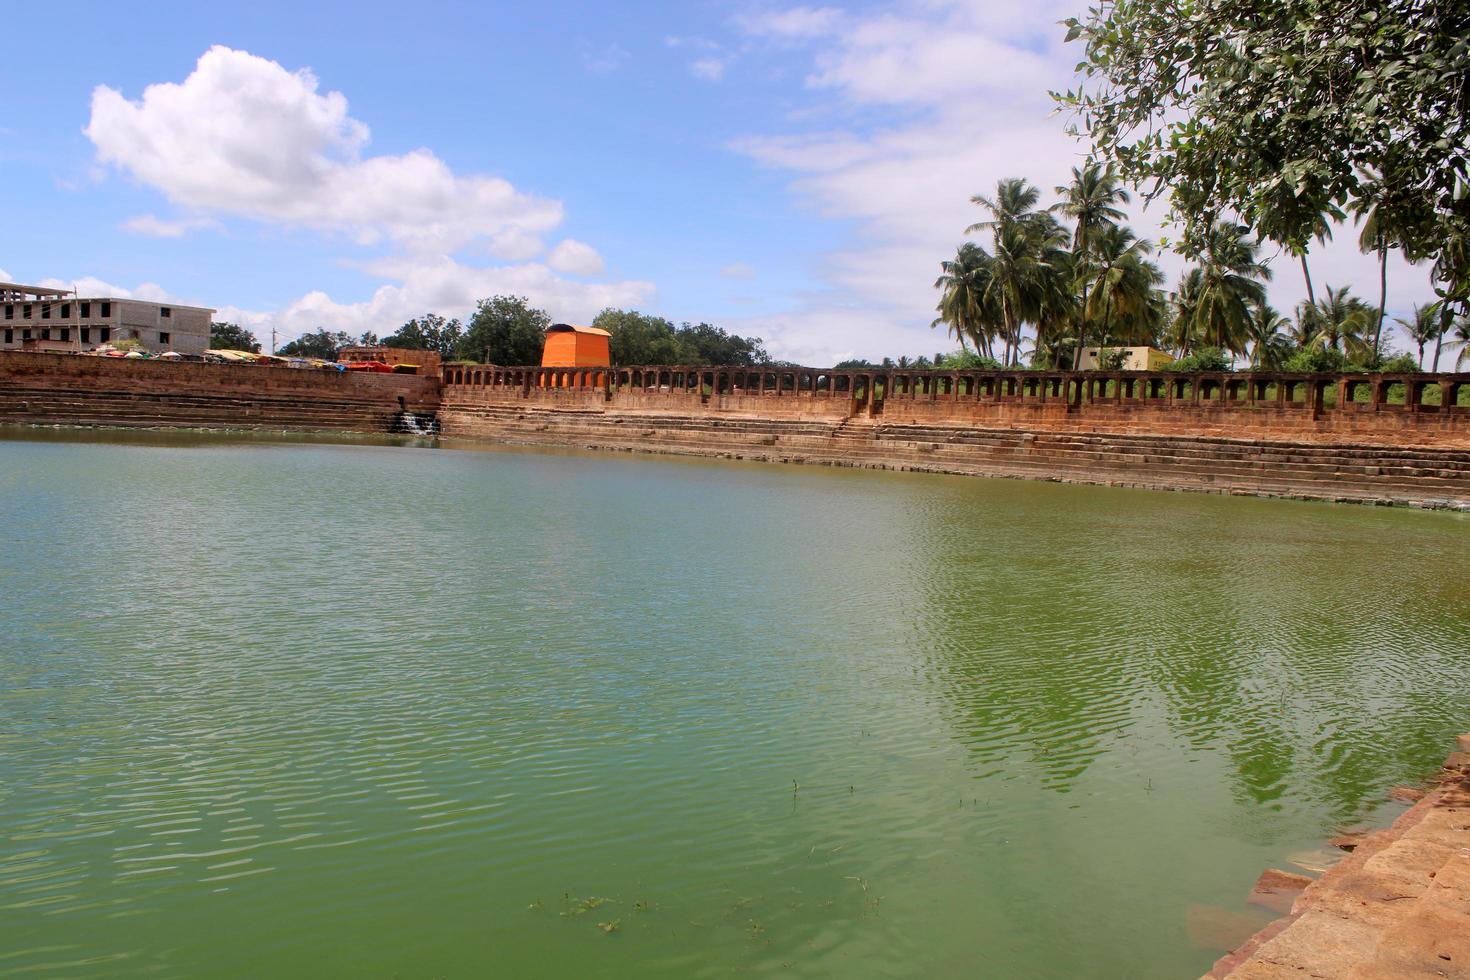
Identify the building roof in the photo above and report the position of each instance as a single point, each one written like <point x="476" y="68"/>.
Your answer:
<point x="37" y="291"/>
<point x="562" y="327"/>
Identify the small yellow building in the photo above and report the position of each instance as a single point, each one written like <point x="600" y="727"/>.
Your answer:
<point x="1135" y="358"/>
<point x="571" y="346"/>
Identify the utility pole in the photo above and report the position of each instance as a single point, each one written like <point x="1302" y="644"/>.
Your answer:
<point x="273" y="340"/>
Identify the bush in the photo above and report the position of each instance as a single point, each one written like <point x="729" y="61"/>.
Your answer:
<point x="1204" y="359"/>
<point x="1315" y="360"/>
<point x="1399" y="364"/>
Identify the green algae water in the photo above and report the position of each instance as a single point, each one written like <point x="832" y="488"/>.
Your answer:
<point x="305" y="710"/>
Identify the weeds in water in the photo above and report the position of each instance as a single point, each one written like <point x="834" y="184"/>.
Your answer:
<point x="611" y="926"/>
<point x="537" y="906"/>
<point x="584" y="905"/>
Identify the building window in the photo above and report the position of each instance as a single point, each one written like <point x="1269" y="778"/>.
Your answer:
<point x="45" y="333"/>
<point x="45" y="311"/>
<point x="104" y="334"/>
<point x="86" y="310"/>
<point x="106" y="310"/>
<point x="10" y="336"/>
<point x="163" y="336"/>
<point x="86" y="335"/>
<point x="26" y="334"/>
<point x="25" y="310"/>
<point x="66" y="334"/>
<point x="66" y="311"/>
<point x="165" y="311"/>
<point x="10" y="311"/>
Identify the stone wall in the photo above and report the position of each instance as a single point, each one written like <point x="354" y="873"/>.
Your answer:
<point x="67" y="389"/>
<point x="1074" y="431"/>
<point x="1365" y="409"/>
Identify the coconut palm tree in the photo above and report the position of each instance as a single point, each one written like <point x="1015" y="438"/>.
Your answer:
<point x="1422" y="327"/>
<point x="1461" y="334"/>
<point x="1184" y="309"/>
<point x="1270" y="338"/>
<point x="962" y="304"/>
<point x="1231" y="284"/>
<point x="1126" y="290"/>
<point x="1027" y="257"/>
<point x="1342" y="322"/>
<point x="1091" y="200"/>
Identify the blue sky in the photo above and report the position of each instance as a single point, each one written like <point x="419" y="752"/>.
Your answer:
<point x="796" y="172"/>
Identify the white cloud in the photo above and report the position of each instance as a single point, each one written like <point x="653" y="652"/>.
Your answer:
<point x="92" y="286"/>
<point x="153" y="226"/>
<point x="737" y="270"/>
<point x="708" y="69"/>
<point x="795" y="22"/>
<point x="575" y="258"/>
<point x="915" y="110"/>
<point x="243" y="136"/>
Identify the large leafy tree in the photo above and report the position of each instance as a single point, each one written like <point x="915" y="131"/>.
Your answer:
<point x="1092" y="201"/>
<point x="705" y="343"/>
<point x="320" y="343"/>
<point x="232" y="336"/>
<point x="428" y="332"/>
<point x="504" y="330"/>
<point x="640" y="338"/>
<point x="1279" y="110"/>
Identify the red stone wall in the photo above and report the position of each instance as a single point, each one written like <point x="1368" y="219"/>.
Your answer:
<point x="71" y="389"/>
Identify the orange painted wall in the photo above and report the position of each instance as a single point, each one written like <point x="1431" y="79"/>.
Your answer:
<point x="564" y="348"/>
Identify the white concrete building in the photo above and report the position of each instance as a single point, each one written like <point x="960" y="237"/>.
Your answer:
<point x="40" y="318"/>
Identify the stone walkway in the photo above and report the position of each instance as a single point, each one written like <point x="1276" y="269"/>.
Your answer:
<point x="1398" y="906"/>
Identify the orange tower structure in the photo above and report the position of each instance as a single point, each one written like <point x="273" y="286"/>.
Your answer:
<point x="575" y="347"/>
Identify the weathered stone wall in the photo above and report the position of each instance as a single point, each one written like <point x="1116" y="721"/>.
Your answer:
<point x="1070" y="428"/>
<point x="66" y="389"/>
<point x="1316" y="409"/>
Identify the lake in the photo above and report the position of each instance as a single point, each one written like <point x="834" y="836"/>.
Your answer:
<point x="290" y="708"/>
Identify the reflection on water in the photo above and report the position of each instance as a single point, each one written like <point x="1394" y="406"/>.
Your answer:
<point x="298" y="708"/>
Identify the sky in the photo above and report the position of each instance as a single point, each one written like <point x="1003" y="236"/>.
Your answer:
<point x="795" y="173"/>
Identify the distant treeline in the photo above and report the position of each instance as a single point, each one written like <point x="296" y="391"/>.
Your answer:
<point x="508" y="330"/>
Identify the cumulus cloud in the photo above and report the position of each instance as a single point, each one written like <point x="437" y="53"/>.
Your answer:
<point x="243" y="136"/>
<point x="913" y="111"/>
<point x="575" y="258"/>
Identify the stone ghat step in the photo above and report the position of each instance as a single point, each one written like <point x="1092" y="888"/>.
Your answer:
<point x="198" y="414"/>
<point x="1215" y="451"/>
<point x="939" y="433"/>
<point x="24" y="393"/>
<point x="1032" y="461"/>
<point x="1094" y="453"/>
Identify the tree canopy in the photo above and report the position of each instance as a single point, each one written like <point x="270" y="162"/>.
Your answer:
<point x="232" y="336"/>
<point x="1285" y="113"/>
<point x="319" y="343"/>
<point x="639" y="338"/>
<point x="504" y="330"/>
<point x="428" y="332"/>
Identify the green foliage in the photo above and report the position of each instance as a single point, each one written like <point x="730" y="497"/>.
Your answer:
<point x="966" y="360"/>
<point x="1205" y="359"/>
<point x="504" y="330"/>
<point x="317" y="344"/>
<point x="1315" y="359"/>
<point x="232" y="336"/>
<point x="1399" y="364"/>
<point x="640" y="338"/>
<point x="1287" y="113"/>
<point x="428" y="332"/>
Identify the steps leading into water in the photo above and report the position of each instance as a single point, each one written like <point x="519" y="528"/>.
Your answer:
<point x="1408" y="475"/>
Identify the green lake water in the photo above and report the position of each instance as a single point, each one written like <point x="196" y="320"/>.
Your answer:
<point x="299" y="709"/>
